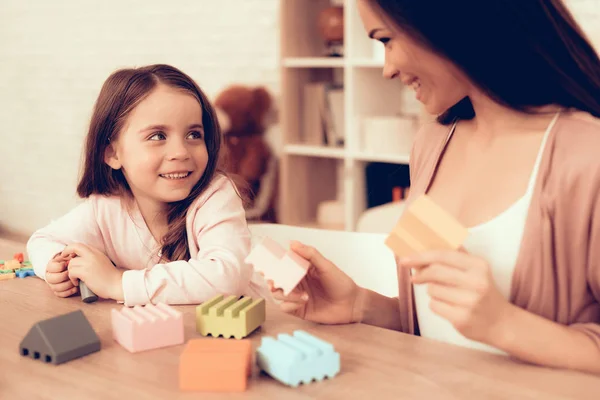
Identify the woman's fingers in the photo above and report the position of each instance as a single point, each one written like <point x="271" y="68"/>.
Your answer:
<point x="290" y="307"/>
<point x="294" y="296"/>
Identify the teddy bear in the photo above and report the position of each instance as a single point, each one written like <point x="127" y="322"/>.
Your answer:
<point x="244" y="113"/>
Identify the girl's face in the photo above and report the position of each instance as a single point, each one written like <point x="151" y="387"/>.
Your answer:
<point x="437" y="83"/>
<point x="161" y="148"/>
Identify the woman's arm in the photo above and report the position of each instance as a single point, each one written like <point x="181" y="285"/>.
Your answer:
<point x="375" y="309"/>
<point x="535" y="339"/>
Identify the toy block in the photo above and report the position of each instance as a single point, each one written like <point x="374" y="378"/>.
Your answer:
<point x="60" y="339"/>
<point x="24" y="272"/>
<point x="296" y="359"/>
<point x="425" y="226"/>
<point x="215" y="365"/>
<point x="285" y="268"/>
<point x="230" y="316"/>
<point x="19" y="257"/>
<point x="149" y="327"/>
<point x="11" y="265"/>
<point x="4" y="276"/>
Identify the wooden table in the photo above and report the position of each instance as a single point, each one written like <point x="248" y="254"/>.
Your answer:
<point x="376" y="363"/>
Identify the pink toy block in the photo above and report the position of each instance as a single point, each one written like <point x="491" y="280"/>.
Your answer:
<point x="285" y="268"/>
<point x="149" y="327"/>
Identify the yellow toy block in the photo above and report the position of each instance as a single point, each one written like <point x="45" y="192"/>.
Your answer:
<point x="230" y="316"/>
<point x="11" y="264"/>
<point x="4" y="277"/>
<point x="425" y="226"/>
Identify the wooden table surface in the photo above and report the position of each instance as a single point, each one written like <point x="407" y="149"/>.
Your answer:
<point x="374" y="361"/>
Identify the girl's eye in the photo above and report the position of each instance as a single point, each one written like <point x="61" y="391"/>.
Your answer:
<point x="384" y="40"/>
<point x="195" y="135"/>
<point x="158" y="136"/>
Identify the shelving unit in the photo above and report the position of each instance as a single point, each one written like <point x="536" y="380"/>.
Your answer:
<point x="311" y="174"/>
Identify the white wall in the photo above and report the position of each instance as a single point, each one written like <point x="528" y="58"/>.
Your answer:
<point x="54" y="56"/>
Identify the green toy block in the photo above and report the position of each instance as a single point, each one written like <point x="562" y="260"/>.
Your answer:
<point x="230" y="316"/>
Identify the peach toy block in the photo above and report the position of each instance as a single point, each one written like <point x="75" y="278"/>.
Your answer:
<point x="215" y="365"/>
<point x="230" y="316"/>
<point x="425" y="226"/>
<point x="5" y="277"/>
<point x="149" y="327"/>
<point x="11" y="264"/>
<point x="285" y="268"/>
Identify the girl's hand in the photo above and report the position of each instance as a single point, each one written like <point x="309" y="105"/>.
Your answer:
<point x="57" y="277"/>
<point x="95" y="269"/>
<point x="326" y="294"/>
<point x="462" y="291"/>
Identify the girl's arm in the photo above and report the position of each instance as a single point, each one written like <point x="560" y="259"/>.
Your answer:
<point x="218" y="225"/>
<point x="78" y="225"/>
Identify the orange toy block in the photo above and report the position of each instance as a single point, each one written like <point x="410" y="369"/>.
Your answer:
<point x="215" y="365"/>
<point x="11" y="264"/>
<point x="425" y="226"/>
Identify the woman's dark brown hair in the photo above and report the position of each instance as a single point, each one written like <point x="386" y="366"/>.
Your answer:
<point x="119" y="95"/>
<point x="522" y="53"/>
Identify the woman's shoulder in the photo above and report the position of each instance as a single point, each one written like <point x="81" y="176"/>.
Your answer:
<point x="575" y="160"/>
<point x="577" y="141"/>
<point x="428" y="140"/>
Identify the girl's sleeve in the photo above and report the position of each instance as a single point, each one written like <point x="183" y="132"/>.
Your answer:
<point x="77" y="226"/>
<point x="223" y="238"/>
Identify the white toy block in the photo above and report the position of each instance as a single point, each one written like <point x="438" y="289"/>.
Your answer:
<point x="285" y="268"/>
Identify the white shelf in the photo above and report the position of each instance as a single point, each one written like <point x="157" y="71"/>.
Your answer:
<point x="312" y="174"/>
<point x="313" y="62"/>
<point x="366" y="63"/>
<point x="386" y="158"/>
<point x="314" y="151"/>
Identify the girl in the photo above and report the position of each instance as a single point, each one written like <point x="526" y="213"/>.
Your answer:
<point x="513" y="155"/>
<point x="159" y="223"/>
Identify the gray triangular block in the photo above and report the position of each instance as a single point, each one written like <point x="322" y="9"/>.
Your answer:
<point x="60" y="339"/>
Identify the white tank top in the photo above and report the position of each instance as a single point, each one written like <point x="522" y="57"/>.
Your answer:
<point x="498" y="241"/>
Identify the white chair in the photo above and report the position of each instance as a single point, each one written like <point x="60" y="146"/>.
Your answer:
<point x="380" y="219"/>
<point x="363" y="256"/>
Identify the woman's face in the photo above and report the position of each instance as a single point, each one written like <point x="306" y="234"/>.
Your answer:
<point x="437" y="82"/>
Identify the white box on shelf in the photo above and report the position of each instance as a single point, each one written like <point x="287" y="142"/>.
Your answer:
<point x="388" y="134"/>
<point x="378" y="51"/>
<point x="330" y="215"/>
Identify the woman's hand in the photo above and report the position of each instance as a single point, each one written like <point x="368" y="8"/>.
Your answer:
<point x="96" y="270"/>
<point x="326" y="294"/>
<point x="57" y="277"/>
<point x="462" y="291"/>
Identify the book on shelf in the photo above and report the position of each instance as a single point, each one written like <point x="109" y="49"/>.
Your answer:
<point x="323" y="114"/>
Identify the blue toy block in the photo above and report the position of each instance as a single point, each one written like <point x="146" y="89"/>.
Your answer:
<point x="297" y="359"/>
<point x="24" y="272"/>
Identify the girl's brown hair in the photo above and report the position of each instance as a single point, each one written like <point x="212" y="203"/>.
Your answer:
<point x="121" y="92"/>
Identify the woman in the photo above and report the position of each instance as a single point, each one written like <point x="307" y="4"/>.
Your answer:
<point x="513" y="155"/>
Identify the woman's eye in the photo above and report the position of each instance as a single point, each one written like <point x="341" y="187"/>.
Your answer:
<point x="158" y="136"/>
<point x="384" y="40"/>
<point x="195" y="135"/>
